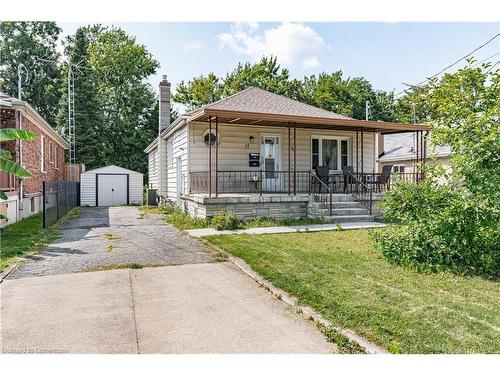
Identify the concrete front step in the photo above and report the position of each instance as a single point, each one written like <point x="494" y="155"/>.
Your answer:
<point x="351" y="204"/>
<point x="343" y="211"/>
<point x="338" y="197"/>
<point x="348" y="218"/>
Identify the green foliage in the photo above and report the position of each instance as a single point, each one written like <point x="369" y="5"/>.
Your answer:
<point x="453" y="226"/>
<point x="441" y="227"/>
<point x="225" y="221"/>
<point x="183" y="221"/>
<point x="27" y="43"/>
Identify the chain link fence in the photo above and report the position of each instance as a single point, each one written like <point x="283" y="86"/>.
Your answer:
<point x="58" y="198"/>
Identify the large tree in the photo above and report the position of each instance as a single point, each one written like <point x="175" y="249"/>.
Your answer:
<point x="32" y="44"/>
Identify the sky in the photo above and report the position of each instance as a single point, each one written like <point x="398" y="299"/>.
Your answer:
<point x="387" y="54"/>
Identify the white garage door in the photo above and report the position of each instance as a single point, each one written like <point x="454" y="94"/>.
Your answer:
<point x="112" y="190"/>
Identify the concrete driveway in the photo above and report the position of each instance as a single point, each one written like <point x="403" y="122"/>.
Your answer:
<point x="48" y="305"/>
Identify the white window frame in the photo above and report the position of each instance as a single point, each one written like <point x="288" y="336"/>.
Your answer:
<point x="320" y="138"/>
<point x="398" y="166"/>
<point x="42" y="154"/>
<point x="56" y="154"/>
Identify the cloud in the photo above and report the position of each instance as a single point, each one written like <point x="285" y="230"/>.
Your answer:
<point x="190" y="46"/>
<point x="293" y="44"/>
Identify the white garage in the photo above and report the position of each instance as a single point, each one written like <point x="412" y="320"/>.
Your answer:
<point x="111" y="186"/>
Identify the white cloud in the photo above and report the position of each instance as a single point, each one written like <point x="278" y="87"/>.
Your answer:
<point x="189" y="46"/>
<point x="293" y="44"/>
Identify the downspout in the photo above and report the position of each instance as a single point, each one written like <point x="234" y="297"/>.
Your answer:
<point x="19" y="96"/>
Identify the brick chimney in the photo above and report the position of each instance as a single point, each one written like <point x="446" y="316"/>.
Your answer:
<point x="164" y="104"/>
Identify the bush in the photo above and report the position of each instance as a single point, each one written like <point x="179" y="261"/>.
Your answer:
<point x="224" y="221"/>
<point x="441" y="227"/>
<point x="184" y="221"/>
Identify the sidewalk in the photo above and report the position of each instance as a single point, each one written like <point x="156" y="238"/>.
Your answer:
<point x="205" y="232"/>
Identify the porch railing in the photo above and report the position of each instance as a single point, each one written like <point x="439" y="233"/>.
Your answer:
<point x="299" y="182"/>
<point x="321" y="193"/>
<point x="360" y="190"/>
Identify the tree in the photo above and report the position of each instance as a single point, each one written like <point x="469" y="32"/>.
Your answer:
<point x="34" y="45"/>
<point x="88" y="111"/>
<point x="129" y="121"/>
<point x="200" y="91"/>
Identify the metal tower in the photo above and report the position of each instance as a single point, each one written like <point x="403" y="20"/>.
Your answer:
<point x="71" y="123"/>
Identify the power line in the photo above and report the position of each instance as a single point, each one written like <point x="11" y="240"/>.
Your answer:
<point x="455" y="63"/>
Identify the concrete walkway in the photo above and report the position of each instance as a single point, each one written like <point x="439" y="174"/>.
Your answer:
<point x="205" y="232"/>
<point x="197" y="308"/>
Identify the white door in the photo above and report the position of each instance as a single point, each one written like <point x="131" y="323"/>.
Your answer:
<point x="270" y="150"/>
<point x="112" y="190"/>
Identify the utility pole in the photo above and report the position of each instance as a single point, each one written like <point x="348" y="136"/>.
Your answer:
<point x="367" y="110"/>
<point x="21" y="69"/>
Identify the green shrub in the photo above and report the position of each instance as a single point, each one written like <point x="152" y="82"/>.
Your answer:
<point x="184" y="221"/>
<point x="441" y="227"/>
<point x="225" y="221"/>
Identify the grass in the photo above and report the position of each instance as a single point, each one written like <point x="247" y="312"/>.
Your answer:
<point x="184" y="221"/>
<point x="343" y="277"/>
<point x="134" y="266"/>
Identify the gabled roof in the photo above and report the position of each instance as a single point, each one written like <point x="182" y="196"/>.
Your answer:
<point x="402" y="146"/>
<point x="255" y="106"/>
<point x="254" y="99"/>
<point x="110" y="169"/>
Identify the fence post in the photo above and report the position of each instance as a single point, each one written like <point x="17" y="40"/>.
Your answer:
<point x="43" y="205"/>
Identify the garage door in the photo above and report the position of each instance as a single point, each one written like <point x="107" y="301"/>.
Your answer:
<point x="111" y="190"/>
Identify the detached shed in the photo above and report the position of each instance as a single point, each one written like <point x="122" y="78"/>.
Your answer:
<point x="111" y="186"/>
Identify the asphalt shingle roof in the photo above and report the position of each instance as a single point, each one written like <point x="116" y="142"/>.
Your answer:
<point x="256" y="100"/>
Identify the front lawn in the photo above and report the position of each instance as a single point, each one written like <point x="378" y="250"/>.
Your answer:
<point x="24" y="237"/>
<point x="343" y="277"/>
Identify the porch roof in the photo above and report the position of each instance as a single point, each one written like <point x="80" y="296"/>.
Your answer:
<point x="254" y="106"/>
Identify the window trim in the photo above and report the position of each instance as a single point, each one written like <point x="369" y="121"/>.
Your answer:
<point x="399" y="168"/>
<point x="42" y="154"/>
<point x="56" y="154"/>
<point x="320" y="138"/>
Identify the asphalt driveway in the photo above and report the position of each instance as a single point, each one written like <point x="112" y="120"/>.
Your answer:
<point x="106" y="236"/>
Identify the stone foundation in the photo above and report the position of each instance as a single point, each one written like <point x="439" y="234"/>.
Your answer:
<point x="247" y="207"/>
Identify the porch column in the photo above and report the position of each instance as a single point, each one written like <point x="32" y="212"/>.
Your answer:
<point x="417" y="174"/>
<point x="294" y="159"/>
<point x="362" y="153"/>
<point x="425" y="148"/>
<point x="209" y="156"/>
<point x="357" y="151"/>
<point x="216" y="155"/>
<point x="289" y="161"/>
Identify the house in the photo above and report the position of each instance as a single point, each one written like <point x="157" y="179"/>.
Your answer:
<point x="44" y="158"/>
<point x="255" y="153"/>
<point x="399" y="150"/>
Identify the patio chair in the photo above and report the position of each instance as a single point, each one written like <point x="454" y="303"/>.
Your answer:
<point x="348" y="180"/>
<point x="382" y="179"/>
<point x="323" y="173"/>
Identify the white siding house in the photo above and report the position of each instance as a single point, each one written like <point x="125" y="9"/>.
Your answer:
<point x="111" y="186"/>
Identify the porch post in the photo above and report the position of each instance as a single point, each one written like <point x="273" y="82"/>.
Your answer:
<point x="418" y="157"/>
<point x="357" y="151"/>
<point x="216" y="156"/>
<point x="425" y="150"/>
<point x="362" y="153"/>
<point x="209" y="156"/>
<point x="289" y="160"/>
<point x="294" y="159"/>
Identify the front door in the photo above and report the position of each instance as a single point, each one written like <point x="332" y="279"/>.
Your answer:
<point x="270" y="151"/>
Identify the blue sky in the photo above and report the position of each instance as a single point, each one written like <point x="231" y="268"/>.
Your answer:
<point x="387" y="54"/>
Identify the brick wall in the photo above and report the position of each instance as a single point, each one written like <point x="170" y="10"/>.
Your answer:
<point x="32" y="151"/>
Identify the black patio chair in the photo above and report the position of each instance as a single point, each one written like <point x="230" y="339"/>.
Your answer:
<point x="323" y="174"/>
<point x="382" y="179"/>
<point x="348" y="180"/>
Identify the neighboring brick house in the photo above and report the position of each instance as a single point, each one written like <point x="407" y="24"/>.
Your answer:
<point x="44" y="158"/>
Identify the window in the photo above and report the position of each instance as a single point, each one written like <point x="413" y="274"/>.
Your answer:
<point x="331" y="152"/>
<point x="51" y="152"/>
<point x="42" y="153"/>
<point x="56" y="155"/>
<point x="32" y="204"/>
<point x="398" y="168"/>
